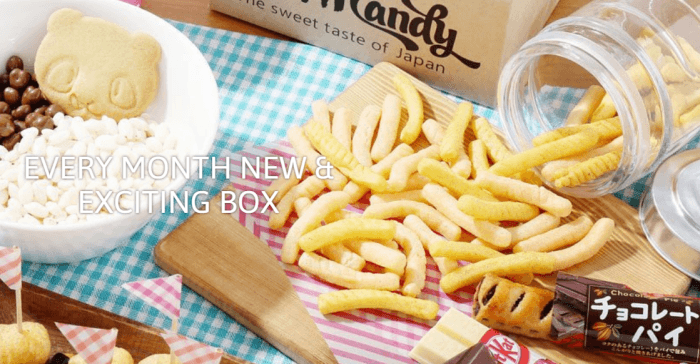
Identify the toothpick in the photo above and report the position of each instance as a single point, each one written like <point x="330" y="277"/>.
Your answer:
<point x="18" y="303"/>
<point x="173" y="328"/>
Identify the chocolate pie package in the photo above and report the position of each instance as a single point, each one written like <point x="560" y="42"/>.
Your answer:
<point x="598" y="315"/>
<point x="456" y="45"/>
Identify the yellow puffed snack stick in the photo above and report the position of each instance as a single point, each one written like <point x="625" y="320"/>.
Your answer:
<point x="345" y="230"/>
<point x="301" y="204"/>
<point x="391" y="259"/>
<point x="309" y="188"/>
<point x="340" y="254"/>
<point x="414" y="105"/>
<point x="411" y="195"/>
<point x="581" y="113"/>
<point x="388" y="128"/>
<point x="607" y="130"/>
<point x="692" y="115"/>
<point x="416" y="182"/>
<point x="383" y="168"/>
<point x="427" y="237"/>
<point x="496" y="150"/>
<point x="444" y="176"/>
<point x="560" y="148"/>
<point x="585" y="249"/>
<point x="319" y="109"/>
<point x="446" y="204"/>
<point x="453" y="141"/>
<point x="556" y="238"/>
<point x="587" y="170"/>
<point x="342" y="159"/>
<point x="309" y="220"/>
<point x="159" y="359"/>
<point x="335" y="252"/>
<point x="605" y="110"/>
<point x="540" y="224"/>
<point x="346" y="300"/>
<point x="406" y="166"/>
<point x="414" y="276"/>
<point x="550" y="168"/>
<point x="341" y="128"/>
<point x="471" y="252"/>
<point x="281" y="185"/>
<point x="690" y="52"/>
<point x="343" y="276"/>
<point x="476" y="150"/>
<point x="672" y="72"/>
<point x="497" y="210"/>
<point x="303" y="148"/>
<point x="399" y="209"/>
<point x="433" y="131"/>
<point x="120" y="356"/>
<point x="516" y="190"/>
<point x="463" y="165"/>
<point x="460" y="250"/>
<point x="364" y="132"/>
<point x="494" y="147"/>
<point x="31" y="346"/>
<point x="518" y="263"/>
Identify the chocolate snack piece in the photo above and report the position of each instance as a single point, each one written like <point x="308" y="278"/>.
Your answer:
<point x="570" y="304"/>
<point x="477" y="354"/>
<point x="7" y="127"/>
<point x="14" y="62"/>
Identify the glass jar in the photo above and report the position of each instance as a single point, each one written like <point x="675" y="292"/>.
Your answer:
<point x="642" y="52"/>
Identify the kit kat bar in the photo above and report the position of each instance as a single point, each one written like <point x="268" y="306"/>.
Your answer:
<point x="477" y="354"/>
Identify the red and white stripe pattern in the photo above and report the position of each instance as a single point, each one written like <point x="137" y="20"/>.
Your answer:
<point x="190" y="351"/>
<point x="11" y="267"/>
<point x="161" y="293"/>
<point x="95" y="346"/>
<point x="358" y="336"/>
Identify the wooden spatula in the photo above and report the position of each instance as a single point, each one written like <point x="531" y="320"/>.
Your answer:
<point x="229" y="266"/>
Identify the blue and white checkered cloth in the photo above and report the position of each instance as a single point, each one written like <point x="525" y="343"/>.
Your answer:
<point x="265" y="86"/>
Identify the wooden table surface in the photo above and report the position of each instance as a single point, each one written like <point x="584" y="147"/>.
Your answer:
<point x="197" y="12"/>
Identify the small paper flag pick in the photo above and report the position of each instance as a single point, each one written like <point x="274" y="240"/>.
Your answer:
<point x="190" y="351"/>
<point x="95" y="346"/>
<point x="161" y="293"/>
<point x="11" y="274"/>
<point x="11" y="267"/>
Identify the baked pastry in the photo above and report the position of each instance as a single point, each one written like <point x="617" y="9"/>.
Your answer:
<point x="92" y="67"/>
<point x="158" y="359"/>
<point x="120" y="356"/>
<point x="513" y="307"/>
<point x="31" y="346"/>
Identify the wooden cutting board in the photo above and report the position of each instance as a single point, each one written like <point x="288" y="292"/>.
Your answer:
<point x="228" y="265"/>
<point x="46" y="307"/>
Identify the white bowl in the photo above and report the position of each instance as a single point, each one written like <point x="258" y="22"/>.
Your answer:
<point x="187" y="101"/>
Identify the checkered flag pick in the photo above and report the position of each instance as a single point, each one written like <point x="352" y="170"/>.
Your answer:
<point x="11" y="267"/>
<point x="190" y="351"/>
<point x="161" y="293"/>
<point x="95" y="346"/>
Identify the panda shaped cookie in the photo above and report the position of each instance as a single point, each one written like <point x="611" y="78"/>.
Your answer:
<point x="92" y="67"/>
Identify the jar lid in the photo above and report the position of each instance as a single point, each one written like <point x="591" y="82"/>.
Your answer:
<point x="670" y="211"/>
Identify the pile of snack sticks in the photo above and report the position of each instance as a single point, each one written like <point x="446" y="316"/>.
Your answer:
<point x="482" y="204"/>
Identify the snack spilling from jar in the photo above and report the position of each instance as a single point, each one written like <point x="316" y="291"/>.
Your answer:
<point x="596" y="110"/>
<point x="432" y="197"/>
<point x="86" y="99"/>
